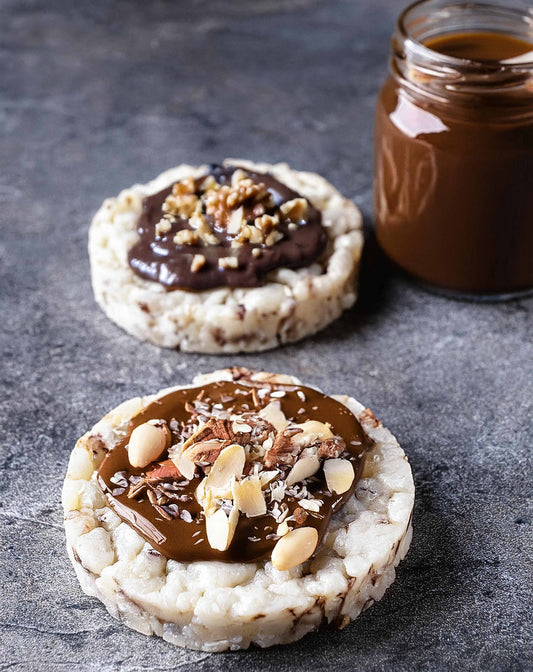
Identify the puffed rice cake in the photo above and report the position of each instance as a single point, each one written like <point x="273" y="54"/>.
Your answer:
<point x="217" y="606"/>
<point x="289" y="306"/>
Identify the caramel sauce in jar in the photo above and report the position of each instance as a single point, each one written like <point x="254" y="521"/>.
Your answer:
<point x="454" y="149"/>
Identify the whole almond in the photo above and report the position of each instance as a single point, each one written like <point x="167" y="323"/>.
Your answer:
<point x="147" y="443"/>
<point x="295" y="547"/>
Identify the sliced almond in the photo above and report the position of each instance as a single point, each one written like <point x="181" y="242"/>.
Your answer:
<point x="147" y="443"/>
<point x="200" y="493"/>
<point x="229" y="464"/>
<point x="312" y="432"/>
<point x="339" y="475"/>
<point x="248" y="497"/>
<point x="310" y="504"/>
<point x="283" y="529"/>
<point x="305" y="467"/>
<point x="220" y="528"/>
<point x="272" y="413"/>
<point x="182" y="462"/>
<point x="240" y="427"/>
<point x="204" y="452"/>
<point x="268" y="476"/>
<point x="295" y="547"/>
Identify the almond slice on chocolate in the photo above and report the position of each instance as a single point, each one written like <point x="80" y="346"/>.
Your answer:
<point x="220" y="528"/>
<point x="184" y="464"/>
<point x="312" y="431"/>
<point x="248" y="497"/>
<point x="339" y="475"/>
<point x="295" y="547"/>
<point x="229" y="464"/>
<point x="304" y="468"/>
<point x="273" y="414"/>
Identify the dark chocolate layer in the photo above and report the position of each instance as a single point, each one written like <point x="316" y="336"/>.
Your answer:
<point x="159" y="259"/>
<point x="254" y="537"/>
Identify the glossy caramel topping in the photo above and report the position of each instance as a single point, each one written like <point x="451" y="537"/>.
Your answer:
<point x="480" y="46"/>
<point x="190" y="237"/>
<point x="166" y="508"/>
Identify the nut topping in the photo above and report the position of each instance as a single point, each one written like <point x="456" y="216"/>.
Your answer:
<point x="229" y="464"/>
<point x="339" y="475"/>
<point x="305" y="467"/>
<point x="220" y="528"/>
<point x="248" y="497"/>
<point x="294" y="548"/>
<point x="231" y="227"/>
<point x="147" y="443"/>
<point x="295" y="209"/>
<point x="237" y="469"/>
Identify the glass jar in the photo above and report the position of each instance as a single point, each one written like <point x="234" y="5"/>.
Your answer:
<point x="453" y="184"/>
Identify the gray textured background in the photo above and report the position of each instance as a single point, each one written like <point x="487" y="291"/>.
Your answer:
<point x="95" y="96"/>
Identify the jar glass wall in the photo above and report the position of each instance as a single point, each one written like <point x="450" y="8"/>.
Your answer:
<point x="454" y="148"/>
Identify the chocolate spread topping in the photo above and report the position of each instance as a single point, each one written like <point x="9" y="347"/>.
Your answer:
<point x="160" y="504"/>
<point x="161" y="259"/>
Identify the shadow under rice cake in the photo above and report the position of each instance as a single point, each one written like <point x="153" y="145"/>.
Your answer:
<point x="243" y="509"/>
<point x="226" y="258"/>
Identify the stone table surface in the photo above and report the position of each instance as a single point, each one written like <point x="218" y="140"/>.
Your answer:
<point x="95" y="96"/>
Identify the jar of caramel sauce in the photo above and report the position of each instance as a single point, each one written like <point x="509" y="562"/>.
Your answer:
<point x="453" y="182"/>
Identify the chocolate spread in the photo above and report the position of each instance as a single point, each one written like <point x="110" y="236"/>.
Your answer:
<point x="176" y="527"/>
<point x="454" y="167"/>
<point x="159" y="258"/>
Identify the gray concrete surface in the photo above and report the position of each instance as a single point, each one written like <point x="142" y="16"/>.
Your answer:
<point x="97" y="95"/>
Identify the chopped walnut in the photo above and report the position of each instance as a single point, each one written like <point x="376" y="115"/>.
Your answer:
<point x="228" y="262"/>
<point x="186" y="237"/>
<point x="209" y="184"/>
<point x="266" y="223"/>
<point x="273" y="237"/>
<point x="216" y="205"/>
<point x="237" y="176"/>
<point x="211" y="207"/>
<point x="295" y="209"/>
<point x="198" y="262"/>
<point x="163" y="226"/>
<point x="182" y="202"/>
<point x="245" y="190"/>
<point x="283" y="451"/>
<point x="331" y="447"/>
<point x="199" y="224"/>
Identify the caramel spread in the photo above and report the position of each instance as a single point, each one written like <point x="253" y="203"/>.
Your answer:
<point x="229" y="227"/>
<point x="454" y="164"/>
<point x="263" y="462"/>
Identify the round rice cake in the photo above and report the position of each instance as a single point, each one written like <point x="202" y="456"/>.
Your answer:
<point x="214" y="605"/>
<point x="288" y="303"/>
